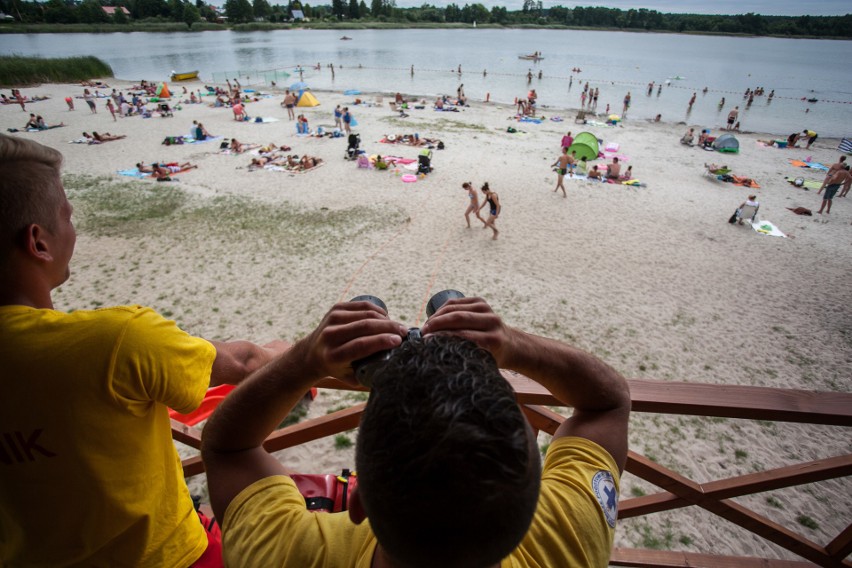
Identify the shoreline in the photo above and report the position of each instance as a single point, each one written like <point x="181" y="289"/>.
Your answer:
<point x="177" y="27"/>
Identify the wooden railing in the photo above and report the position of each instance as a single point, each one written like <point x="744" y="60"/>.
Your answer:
<point x="676" y="491"/>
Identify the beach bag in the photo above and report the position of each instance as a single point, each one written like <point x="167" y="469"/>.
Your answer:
<point x="799" y="182"/>
<point x="326" y="493"/>
<point x="733" y="218"/>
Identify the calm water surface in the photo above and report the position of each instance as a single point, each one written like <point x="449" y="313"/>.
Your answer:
<point x="615" y="62"/>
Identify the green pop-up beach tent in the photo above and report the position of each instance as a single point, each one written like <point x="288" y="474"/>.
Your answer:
<point x="585" y="145"/>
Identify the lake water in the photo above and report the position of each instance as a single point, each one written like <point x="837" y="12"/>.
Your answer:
<point x="615" y="62"/>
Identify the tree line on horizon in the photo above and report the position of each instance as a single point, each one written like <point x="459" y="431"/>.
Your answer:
<point x="386" y="11"/>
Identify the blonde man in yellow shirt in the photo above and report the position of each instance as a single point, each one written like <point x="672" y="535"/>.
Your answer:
<point x="449" y="471"/>
<point x="89" y="475"/>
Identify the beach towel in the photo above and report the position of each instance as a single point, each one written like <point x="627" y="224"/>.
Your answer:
<point x="806" y="184"/>
<point x="611" y="147"/>
<point x="812" y="165"/>
<point x="767" y="228"/>
<point x="133" y="173"/>
<point x="263" y="119"/>
<point x="530" y="119"/>
<point x="599" y="124"/>
<point x="276" y="168"/>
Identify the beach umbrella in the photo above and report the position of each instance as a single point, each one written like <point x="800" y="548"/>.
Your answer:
<point x="614" y="117"/>
<point x="300" y="86"/>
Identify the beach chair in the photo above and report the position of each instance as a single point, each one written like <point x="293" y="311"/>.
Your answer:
<point x="581" y="117"/>
<point x="747" y="213"/>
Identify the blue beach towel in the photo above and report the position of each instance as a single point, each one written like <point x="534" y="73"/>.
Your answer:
<point x="133" y="173"/>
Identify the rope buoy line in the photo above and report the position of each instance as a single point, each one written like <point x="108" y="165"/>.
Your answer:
<point x="636" y="84"/>
<point x="590" y="81"/>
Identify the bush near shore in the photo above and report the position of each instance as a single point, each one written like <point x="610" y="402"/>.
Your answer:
<point x="16" y="70"/>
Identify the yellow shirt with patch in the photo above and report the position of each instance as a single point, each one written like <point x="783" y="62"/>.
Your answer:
<point x="268" y="524"/>
<point x="89" y="475"/>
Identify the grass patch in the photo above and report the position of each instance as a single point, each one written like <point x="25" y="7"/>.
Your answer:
<point x="17" y="70"/>
<point x="637" y="491"/>
<point x="740" y="454"/>
<point x="342" y="442"/>
<point x="296" y="415"/>
<point x="807" y="521"/>
<point x="128" y="209"/>
<point x="773" y="502"/>
<point x="655" y="542"/>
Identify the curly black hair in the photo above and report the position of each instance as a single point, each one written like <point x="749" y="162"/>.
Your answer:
<point x="448" y="470"/>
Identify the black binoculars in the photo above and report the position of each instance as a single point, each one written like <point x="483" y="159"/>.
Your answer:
<point x="365" y="368"/>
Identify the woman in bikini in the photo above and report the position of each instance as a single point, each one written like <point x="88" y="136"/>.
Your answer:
<point x="493" y="202"/>
<point x="473" y="206"/>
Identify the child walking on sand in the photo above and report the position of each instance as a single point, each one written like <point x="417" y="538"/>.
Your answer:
<point x="473" y="206"/>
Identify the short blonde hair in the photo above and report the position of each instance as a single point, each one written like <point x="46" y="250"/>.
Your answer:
<point x="29" y="188"/>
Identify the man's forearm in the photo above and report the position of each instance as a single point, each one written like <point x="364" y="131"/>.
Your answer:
<point x="255" y="409"/>
<point x="235" y="360"/>
<point x="575" y="377"/>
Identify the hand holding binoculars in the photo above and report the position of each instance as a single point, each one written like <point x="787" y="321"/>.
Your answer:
<point x="365" y="368"/>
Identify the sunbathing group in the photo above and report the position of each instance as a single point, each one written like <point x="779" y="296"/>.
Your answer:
<point x="291" y="162"/>
<point x="409" y="139"/>
<point x="445" y="103"/>
<point x="163" y="171"/>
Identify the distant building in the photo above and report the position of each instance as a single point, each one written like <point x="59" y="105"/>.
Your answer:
<point x="110" y="10"/>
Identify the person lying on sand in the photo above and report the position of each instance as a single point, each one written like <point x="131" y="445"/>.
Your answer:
<point x="238" y="147"/>
<point x="308" y="162"/>
<point x="164" y="171"/>
<point x="105" y="137"/>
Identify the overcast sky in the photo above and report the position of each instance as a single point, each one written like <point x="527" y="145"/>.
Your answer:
<point x="767" y="7"/>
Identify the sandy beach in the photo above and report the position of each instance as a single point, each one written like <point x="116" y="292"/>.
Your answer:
<point x="650" y="278"/>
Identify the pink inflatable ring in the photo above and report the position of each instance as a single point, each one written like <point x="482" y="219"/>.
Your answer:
<point x="409" y="178"/>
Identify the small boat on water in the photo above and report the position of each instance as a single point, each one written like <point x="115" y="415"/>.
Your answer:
<point x="345" y="38"/>
<point x="184" y="76"/>
<point x="532" y="57"/>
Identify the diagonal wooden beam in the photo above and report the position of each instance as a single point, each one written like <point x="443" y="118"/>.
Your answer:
<point x="641" y="558"/>
<point x="296" y="434"/>
<point x="841" y="546"/>
<point x="186" y="434"/>
<point x="542" y="418"/>
<point x="789" y="476"/>
<point x="314" y="429"/>
<point x="729" y="510"/>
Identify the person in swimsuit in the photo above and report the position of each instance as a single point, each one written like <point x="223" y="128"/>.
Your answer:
<point x="473" y="206"/>
<point x="290" y="103"/>
<point x="493" y="202"/>
<point x="564" y="164"/>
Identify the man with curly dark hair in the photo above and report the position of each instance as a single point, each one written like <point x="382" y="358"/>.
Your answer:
<point x="449" y="470"/>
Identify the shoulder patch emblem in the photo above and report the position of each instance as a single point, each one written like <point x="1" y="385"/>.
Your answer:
<point x="604" y="487"/>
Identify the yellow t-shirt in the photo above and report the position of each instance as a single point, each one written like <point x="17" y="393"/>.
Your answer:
<point x="574" y="524"/>
<point x="89" y="475"/>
